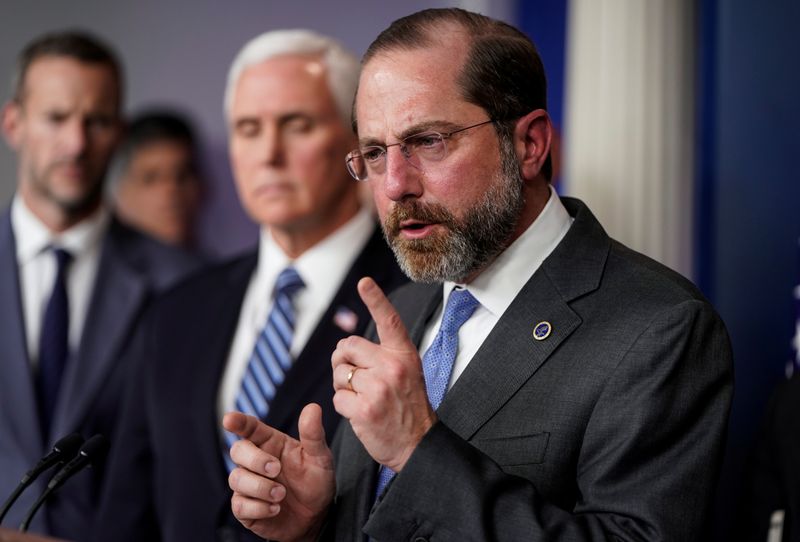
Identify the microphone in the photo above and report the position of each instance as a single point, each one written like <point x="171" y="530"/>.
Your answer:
<point x="92" y="451"/>
<point x="62" y="450"/>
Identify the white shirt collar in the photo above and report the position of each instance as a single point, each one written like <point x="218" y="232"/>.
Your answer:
<point x="315" y="264"/>
<point x="32" y="237"/>
<point x="497" y="286"/>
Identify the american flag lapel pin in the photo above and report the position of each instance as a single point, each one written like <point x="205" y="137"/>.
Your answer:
<point x="346" y="319"/>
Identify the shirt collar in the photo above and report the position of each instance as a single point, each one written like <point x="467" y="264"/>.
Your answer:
<point x="497" y="286"/>
<point x="315" y="263"/>
<point x="32" y="237"/>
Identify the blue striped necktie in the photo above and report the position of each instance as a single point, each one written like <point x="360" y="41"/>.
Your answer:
<point x="437" y="363"/>
<point x="53" y="342"/>
<point x="271" y="358"/>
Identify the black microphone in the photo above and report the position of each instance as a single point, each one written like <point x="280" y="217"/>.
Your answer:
<point x="64" y="449"/>
<point x="92" y="451"/>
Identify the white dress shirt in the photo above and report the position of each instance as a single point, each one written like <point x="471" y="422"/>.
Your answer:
<point x="37" y="269"/>
<point x="497" y="286"/>
<point x="322" y="268"/>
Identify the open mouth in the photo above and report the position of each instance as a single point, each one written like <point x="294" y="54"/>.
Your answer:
<point x="416" y="229"/>
<point x="413" y="225"/>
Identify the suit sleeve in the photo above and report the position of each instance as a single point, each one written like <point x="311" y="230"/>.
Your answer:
<point x="646" y="470"/>
<point x="770" y="478"/>
<point x="126" y="509"/>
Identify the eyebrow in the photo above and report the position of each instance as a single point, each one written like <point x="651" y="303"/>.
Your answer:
<point x="281" y="119"/>
<point x="290" y="116"/>
<point x="418" y="128"/>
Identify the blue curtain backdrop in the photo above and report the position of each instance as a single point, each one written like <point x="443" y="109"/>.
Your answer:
<point x="755" y="211"/>
<point x="545" y="23"/>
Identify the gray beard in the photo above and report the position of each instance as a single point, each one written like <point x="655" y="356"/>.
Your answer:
<point x="471" y="243"/>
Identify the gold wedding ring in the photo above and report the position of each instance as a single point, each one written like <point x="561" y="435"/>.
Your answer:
<point x="350" y="378"/>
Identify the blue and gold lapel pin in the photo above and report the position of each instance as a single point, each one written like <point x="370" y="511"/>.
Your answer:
<point x="542" y="330"/>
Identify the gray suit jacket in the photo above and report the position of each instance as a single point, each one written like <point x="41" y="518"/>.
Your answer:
<point x="132" y="268"/>
<point x="612" y="428"/>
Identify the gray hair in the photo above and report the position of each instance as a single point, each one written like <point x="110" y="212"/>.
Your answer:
<point x="341" y="65"/>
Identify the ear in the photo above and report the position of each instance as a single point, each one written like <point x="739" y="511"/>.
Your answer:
<point x="11" y="123"/>
<point x="533" y="135"/>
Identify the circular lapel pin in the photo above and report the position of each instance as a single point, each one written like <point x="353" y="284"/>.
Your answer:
<point x="542" y="330"/>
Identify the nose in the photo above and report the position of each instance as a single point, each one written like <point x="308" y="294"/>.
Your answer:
<point x="75" y="137"/>
<point x="402" y="179"/>
<point x="273" y="148"/>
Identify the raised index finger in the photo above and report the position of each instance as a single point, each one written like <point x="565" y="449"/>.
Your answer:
<point x="391" y="331"/>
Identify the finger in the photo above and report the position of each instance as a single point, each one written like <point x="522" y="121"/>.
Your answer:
<point x="246" y="454"/>
<point x="340" y="373"/>
<point x="255" y="486"/>
<point x="312" y="433"/>
<point x="247" y="509"/>
<point x="345" y="376"/>
<point x="347" y="404"/>
<point x="252" y="429"/>
<point x="391" y="331"/>
<point x="353" y="350"/>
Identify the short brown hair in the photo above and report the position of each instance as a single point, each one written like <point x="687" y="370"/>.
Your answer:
<point x="503" y="72"/>
<point x="78" y="45"/>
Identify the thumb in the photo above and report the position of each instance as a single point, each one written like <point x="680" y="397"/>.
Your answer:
<point x="312" y="434"/>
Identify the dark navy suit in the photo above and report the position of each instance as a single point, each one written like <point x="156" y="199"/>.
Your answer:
<point x="132" y="268"/>
<point x="772" y="479"/>
<point x="168" y="480"/>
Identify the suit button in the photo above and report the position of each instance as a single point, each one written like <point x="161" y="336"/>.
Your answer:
<point x="420" y="539"/>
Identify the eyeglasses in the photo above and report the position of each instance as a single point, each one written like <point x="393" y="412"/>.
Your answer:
<point x="418" y="150"/>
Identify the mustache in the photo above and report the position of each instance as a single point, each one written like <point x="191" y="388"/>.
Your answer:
<point x="415" y="210"/>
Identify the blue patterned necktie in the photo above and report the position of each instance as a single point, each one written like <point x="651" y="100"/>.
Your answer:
<point x="53" y="342"/>
<point x="437" y="363"/>
<point x="271" y="358"/>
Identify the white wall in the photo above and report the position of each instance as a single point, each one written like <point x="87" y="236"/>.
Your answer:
<point x="630" y="131"/>
<point x="177" y="52"/>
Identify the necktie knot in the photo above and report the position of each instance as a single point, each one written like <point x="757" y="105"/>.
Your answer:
<point x="63" y="258"/>
<point x="288" y="283"/>
<point x="460" y="306"/>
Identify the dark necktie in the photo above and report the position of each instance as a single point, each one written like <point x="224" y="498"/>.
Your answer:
<point x="437" y="363"/>
<point x="54" y="342"/>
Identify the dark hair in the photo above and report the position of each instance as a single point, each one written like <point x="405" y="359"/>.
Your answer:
<point x="78" y="45"/>
<point x="156" y="125"/>
<point x="503" y="72"/>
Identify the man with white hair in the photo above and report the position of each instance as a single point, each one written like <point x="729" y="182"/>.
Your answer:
<point x="254" y="334"/>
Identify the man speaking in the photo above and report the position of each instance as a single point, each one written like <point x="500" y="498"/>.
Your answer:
<point x="540" y="381"/>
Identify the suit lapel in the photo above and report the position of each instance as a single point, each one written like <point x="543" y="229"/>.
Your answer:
<point x="118" y="297"/>
<point x="358" y="473"/>
<point x="18" y="406"/>
<point x="313" y="362"/>
<point x="510" y="355"/>
<point x="219" y="326"/>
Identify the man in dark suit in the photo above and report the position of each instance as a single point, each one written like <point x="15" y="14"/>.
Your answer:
<point x="769" y="501"/>
<point x="73" y="281"/>
<point x="288" y="106"/>
<point x="570" y="389"/>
